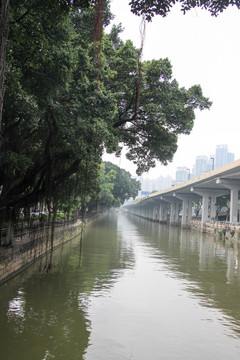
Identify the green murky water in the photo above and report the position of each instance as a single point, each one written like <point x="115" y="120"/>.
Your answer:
<point x="138" y="291"/>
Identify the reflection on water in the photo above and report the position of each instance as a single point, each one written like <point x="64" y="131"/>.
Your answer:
<point x="139" y="290"/>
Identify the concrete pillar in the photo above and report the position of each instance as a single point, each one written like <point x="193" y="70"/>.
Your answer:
<point x="140" y="211"/>
<point x="187" y="200"/>
<point x="234" y="204"/>
<point x="150" y="210"/>
<point x="208" y="201"/>
<point x="186" y="212"/>
<point x="145" y="212"/>
<point x="155" y="215"/>
<point x="158" y="207"/>
<point x="205" y="203"/>
<point x="205" y="208"/>
<point x="163" y="210"/>
<point x="213" y="210"/>
<point x="234" y="187"/>
<point x="174" y="212"/>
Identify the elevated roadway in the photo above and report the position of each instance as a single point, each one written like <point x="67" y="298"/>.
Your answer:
<point x="206" y="187"/>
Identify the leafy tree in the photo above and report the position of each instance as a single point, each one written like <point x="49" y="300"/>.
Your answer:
<point x="105" y="196"/>
<point x="115" y="186"/>
<point x="54" y="11"/>
<point x="49" y="130"/>
<point x="125" y="186"/>
<point x="64" y="105"/>
<point x="149" y="8"/>
<point x="149" y="130"/>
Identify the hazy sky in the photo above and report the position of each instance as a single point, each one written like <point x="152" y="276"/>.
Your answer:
<point x="202" y="50"/>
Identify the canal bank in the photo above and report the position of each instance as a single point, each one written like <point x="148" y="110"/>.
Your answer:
<point x="35" y="243"/>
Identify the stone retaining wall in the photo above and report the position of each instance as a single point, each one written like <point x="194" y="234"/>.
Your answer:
<point x="221" y="230"/>
<point x="29" y="248"/>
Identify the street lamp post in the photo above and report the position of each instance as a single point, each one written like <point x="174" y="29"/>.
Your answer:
<point x="212" y="158"/>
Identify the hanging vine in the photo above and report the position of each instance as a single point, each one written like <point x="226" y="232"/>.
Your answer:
<point x="142" y="30"/>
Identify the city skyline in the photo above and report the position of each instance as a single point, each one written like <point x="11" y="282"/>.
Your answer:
<point x="203" y="164"/>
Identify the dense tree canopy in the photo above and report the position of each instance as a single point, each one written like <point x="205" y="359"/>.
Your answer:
<point x="68" y="98"/>
<point x="116" y="186"/>
<point x="124" y="186"/>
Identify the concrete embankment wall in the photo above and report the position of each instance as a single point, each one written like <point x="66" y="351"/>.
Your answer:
<point x="223" y="231"/>
<point x="230" y="233"/>
<point x="32" y="246"/>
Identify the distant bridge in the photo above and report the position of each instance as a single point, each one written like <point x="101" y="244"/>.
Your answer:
<point x="207" y="187"/>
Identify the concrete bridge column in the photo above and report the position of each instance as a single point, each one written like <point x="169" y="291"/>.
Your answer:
<point x="163" y="211"/>
<point x="205" y="194"/>
<point x="213" y="209"/>
<point x="205" y="208"/>
<point x="174" y="212"/>
<point x="145" y="212"/>
<point x="186" y="212"/>
<point x="140" y="211"/>
<point x="234" y="204"/>
<point x="155" y="213"/>
<point x="234" y="187"/>
<point x="158" y="210"/>
<point x="187" y="200"/>
<point x="149" y="212"/>
<point x="209" y="197"/>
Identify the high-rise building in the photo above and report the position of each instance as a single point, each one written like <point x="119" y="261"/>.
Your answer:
<point x="201" y="165"/>
<point x="160" y="183"/>
<point x="182" y="174"/>
<point x="222" y="156"/>
<point x="211" y="163"/>
<point x="230" y="157"/>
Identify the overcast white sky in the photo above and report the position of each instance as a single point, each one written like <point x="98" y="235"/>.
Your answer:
<point x="202" y="50"/>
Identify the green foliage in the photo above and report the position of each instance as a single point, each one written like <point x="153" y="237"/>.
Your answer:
<point x="162" y="7"/>
<point x="124" y="186"/>
<point x="105" y="196"/>
<point x="116" y="186"/>
<point x="64" y="105"/>
<point x="150" y="130"/>
<point x="223" y="204"/>
<point x="52" y="139"/>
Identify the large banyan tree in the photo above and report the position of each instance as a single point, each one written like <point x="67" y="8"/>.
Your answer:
<point x="72" y="91"/>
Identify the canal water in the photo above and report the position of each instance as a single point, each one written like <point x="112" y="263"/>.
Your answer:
<point x="134" y="290"/>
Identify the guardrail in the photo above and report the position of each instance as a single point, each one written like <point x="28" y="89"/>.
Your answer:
<point x="22" y="229"/>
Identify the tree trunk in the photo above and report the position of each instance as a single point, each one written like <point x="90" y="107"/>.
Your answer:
<point x="3" y="44"/>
